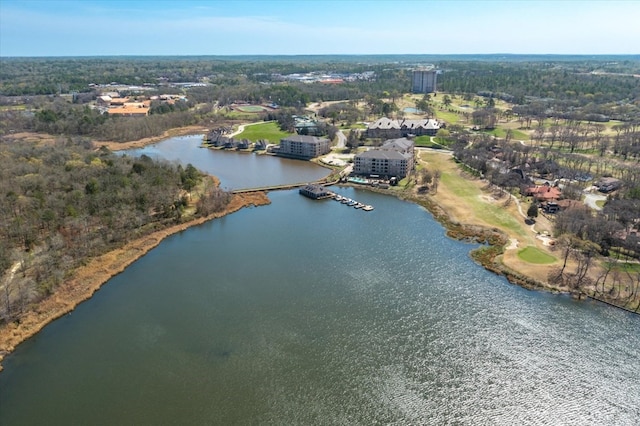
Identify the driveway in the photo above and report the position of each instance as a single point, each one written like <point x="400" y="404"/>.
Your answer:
<point x="342" y="140"/>
<point x="590" y="200"/>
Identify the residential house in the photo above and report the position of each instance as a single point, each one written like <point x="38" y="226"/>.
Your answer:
<point x="542" y="193"/>
<point x="608" y="184"/>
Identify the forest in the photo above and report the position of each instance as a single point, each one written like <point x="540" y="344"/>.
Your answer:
<point x="65" y="202"/>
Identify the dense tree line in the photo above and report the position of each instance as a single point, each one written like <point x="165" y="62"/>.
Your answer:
<point x="568" y="90"/>
<point x="65" y="202"/>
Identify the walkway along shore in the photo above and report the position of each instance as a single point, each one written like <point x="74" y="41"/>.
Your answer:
<point x="88" y="279"/>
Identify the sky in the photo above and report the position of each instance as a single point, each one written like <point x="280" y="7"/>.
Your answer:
<point x="288" y="27"/>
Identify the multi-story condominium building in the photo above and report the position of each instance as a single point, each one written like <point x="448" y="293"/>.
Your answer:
<point x="393" y="159"/>
<point x="389" y="128"/>
<point x="424" y="80"/>
<point x="303" y="147"/>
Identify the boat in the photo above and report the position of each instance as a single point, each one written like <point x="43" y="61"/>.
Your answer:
<point x="367" y="208"/>
<point x="345" y="200"/>
<point x="352" y="203"/>
<point x="359" y="205"/>
<point x="338" y="197"/>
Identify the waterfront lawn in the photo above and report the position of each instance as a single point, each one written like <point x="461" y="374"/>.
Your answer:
<point x="269" y="131"/>
<point x="470" y="201"/>
<point x="532" y="254"/>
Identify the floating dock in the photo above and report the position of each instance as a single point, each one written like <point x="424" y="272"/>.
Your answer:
<point x="319" y="192"/>
<point x="352" y="203"/>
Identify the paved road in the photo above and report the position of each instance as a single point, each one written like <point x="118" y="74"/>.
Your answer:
<point x="342" y="140"/>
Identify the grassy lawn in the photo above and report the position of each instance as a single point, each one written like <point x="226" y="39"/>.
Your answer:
<point x="424" y="141"/>
<point x="632" y="268"/>
<point x="501" y="132"/>
<point x="269" y="131"/>
<point x="534" y="255"/>
<point x="449" y="117"/>
<point x="438" y="143"/>
<point x="469" y="198"/>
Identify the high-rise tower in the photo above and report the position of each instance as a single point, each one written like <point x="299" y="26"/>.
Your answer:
<point x="424" y="80"/>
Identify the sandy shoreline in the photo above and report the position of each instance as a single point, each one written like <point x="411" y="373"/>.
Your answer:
<point x="87" y="279"/>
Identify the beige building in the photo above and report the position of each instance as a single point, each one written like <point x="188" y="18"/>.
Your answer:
<point x="393" y="159"/>
<point x="386" y="128"/>
<point x="303" y="147"/>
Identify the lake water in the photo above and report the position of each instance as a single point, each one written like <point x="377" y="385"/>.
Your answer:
<point x="310" y="312"/>
<point x="235" y="169"/>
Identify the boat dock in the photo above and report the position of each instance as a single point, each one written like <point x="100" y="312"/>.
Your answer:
<point x="319" y="192"/>
<point x="352" y="203"/>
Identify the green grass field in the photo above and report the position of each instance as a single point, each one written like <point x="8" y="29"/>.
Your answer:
<point x="534" y="255"/>
<point x="269" y="131"/>
<point x="449" y="117"/>
<point x="501" y="132"/>
<point x="632" y="268"/>
<point x="494" y="214"/>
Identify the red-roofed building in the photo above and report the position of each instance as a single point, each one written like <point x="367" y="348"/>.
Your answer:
<point x="543" y="193"/>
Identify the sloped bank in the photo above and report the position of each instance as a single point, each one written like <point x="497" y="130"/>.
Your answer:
<point x="494" y="242"/>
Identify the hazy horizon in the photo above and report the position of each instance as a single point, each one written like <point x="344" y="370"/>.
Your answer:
<point x="98" y="28"/>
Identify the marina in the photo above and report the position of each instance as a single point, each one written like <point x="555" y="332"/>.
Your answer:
<point x="319" y="192"/>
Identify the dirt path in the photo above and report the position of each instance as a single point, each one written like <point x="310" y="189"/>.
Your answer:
<point x="86" y="280"/>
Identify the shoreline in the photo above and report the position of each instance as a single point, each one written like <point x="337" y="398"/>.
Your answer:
<point x="141" y="143"/>
<point x="88" y="279"/>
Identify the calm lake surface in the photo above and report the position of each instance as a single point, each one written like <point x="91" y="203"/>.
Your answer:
<point x="310" y="312"/>
<point x="234" y="169"/>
